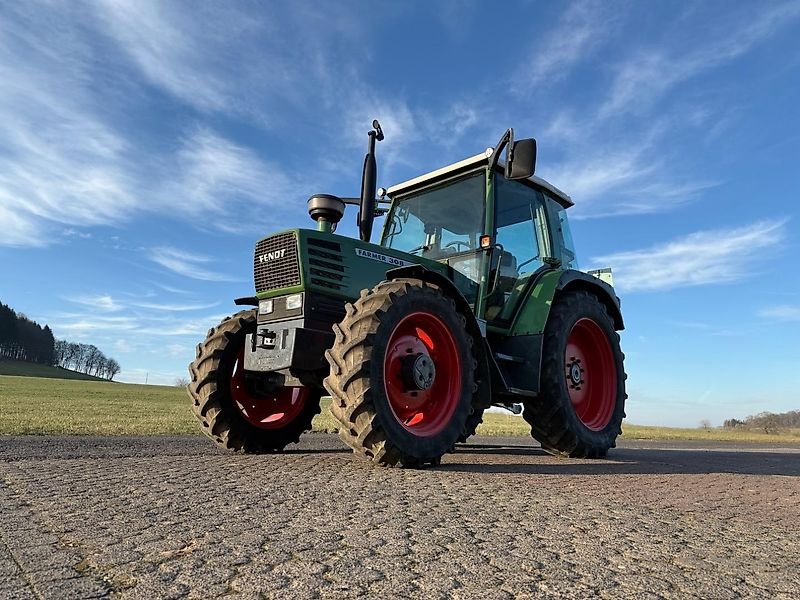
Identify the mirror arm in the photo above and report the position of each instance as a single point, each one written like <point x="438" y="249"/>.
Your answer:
<point x="507" y="139"/>
<point x="381" y="206"/>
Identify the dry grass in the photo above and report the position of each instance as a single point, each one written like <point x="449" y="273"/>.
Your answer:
<point x="644" y="432"/>
<point x="33" y="405"/>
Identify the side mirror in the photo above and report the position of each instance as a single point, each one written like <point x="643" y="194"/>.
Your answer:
<point x="520" y="156"/>
<point x="521" y="159"/>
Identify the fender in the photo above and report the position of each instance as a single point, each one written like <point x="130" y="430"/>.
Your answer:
<point x="425" y="274"/>
<point x="578" y="280"/>
<point x="523" y="344"/>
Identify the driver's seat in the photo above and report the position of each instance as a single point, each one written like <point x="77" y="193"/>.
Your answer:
<point x="506" y="280"/>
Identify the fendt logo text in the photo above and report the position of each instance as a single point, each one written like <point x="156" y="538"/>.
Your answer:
<point x="275" y="254"/>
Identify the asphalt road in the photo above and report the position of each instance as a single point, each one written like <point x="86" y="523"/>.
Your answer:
<point x="169" y="517"/>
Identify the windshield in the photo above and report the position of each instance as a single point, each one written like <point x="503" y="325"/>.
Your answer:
<point x="440" y="221"/>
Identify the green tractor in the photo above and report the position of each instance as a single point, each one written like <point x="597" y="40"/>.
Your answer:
<point x="471" y="299"/>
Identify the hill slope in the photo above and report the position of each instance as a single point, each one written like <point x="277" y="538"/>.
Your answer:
<point x="27" y="369"/>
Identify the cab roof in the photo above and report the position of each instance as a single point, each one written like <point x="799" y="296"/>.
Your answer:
<point x="469" y="164"/>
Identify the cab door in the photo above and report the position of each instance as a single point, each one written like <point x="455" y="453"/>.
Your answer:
<point x="522" y="242"/>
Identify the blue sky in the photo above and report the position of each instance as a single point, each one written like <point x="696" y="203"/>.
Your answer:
<point x="144" y="146"/>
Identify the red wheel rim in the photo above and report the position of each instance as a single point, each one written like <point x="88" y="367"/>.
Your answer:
<point x="423" y="412"/>
<point x="267" y="411"/>
<point x="591" y="374"/>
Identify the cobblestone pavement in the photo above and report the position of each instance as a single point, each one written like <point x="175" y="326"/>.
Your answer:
<point x="162" y="517"/>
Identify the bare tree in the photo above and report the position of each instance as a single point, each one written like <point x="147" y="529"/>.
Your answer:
<point x="768" y="421"/>
<point x="113" y="369"/>
<point x="705" y="424"/>
<point x="181" y="382"/>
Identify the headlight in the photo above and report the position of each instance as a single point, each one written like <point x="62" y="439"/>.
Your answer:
<point x="265" y="307"/>
<point x="294" y="301"/>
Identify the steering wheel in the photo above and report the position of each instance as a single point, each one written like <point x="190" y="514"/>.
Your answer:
<point x="530" y="260"/>
<point x="457" y="243"/>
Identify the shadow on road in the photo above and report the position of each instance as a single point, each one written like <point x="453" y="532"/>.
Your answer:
<point x="342" y="450"/>
<point x="627" y="461"/>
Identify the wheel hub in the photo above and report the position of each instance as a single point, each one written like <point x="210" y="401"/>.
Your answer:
<point x="575" y="374"/>
<point x="419" y="372"/>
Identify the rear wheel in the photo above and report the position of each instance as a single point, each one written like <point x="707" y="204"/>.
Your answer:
<point x="402" y="374"/>
<point x="581" y="404"/>
<point x="233" y="414"/>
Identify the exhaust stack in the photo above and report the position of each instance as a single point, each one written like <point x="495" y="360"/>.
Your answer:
<point x="366" y="214"/>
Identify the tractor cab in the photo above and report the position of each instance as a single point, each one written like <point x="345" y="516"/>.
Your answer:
<point x="496" y="232"/>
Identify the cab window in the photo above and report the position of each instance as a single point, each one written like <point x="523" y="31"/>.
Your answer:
<point x="441" y="221"/>
<point x="522" y="235"/>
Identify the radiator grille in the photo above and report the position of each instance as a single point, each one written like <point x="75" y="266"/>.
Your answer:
<point x="275" y="263"/>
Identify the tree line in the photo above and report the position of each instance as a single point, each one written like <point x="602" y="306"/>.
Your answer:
<point x="85" y="358"/>
<point x="766" y="421"/>
<point x="23" y="339"/>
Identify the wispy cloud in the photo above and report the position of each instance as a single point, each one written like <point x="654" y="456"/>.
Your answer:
<point x="216" y="175"/>
<point x="106" y="303"/>
<point x="781" y="312"/>
<point x="618" y="153"/>
<point x="622" y="176"/>
<point x="178" y="350"/>
<point x="102" y="302"/>
<point x="174" y="307"/>
<point x="61" y="161"/>
<point x="582" y="28"/>
<point x="172" y="57"/>
<point x="714" y="330"/>
<point x="193" y="328"/>
<point x="72" y="160"/>
<point x="136" y="324"/>
<point x="169" y="288"/>
<point x="647" y="75"/>
<point x="93" y="323"/>
<point x="186" y="264"/>
<point x="69" y="232"/>
<point x="701" y="258"/>
<point x="252" y="64"/>
<point x="67" y="163"/>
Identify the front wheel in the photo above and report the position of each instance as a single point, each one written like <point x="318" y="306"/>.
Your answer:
<point x="402" y="374"/>
<point x="233" y="414"/>
<point x="581" y="404"/>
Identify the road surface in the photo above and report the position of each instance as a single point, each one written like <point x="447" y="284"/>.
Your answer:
<point x="172" y="517"/>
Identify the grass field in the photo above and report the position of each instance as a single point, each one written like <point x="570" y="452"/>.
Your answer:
<point x="36" y="405"/>
<point x="28" y="369"/>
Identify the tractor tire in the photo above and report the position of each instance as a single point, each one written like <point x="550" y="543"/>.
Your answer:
<point x="232" y="415"/>
<point x="475" y="419"/>
<point x="402" y="374"/>
<point x="581" y="404"/>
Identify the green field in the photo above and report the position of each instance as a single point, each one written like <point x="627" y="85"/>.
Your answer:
<point x="36" y="405"/>
<point x="28" y="369"/>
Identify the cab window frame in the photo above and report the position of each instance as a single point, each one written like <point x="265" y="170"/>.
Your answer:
<point x="542" y="228"/>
